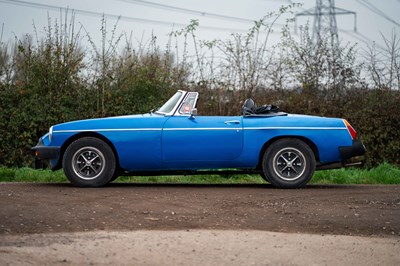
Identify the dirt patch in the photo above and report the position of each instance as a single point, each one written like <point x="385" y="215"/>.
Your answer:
<point x="360" y="210"/>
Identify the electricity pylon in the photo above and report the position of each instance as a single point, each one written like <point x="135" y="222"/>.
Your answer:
<point x="324" y="14"/>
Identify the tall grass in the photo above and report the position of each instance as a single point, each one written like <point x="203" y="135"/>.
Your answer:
<point x="383" y="174"/>
<point x="30" y="175"/>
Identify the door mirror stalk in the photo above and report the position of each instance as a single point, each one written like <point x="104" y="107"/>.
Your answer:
<point x="193" y="113"/>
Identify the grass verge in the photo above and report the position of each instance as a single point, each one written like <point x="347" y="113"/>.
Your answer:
<point x="382" y="174"/>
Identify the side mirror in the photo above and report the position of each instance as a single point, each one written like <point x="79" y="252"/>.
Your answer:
<point x="193" y="113"/>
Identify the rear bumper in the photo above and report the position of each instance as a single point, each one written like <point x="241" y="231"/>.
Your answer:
<point x="351" y="156"/>
<point x="43" y="153"/>
<point x="357" y="149"/>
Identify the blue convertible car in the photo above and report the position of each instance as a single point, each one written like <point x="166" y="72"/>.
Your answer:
<point x="284" y="148"/>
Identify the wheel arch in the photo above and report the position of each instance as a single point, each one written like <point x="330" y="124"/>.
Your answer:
<point x="84" y="135"/>
<point x="309" y="142"/>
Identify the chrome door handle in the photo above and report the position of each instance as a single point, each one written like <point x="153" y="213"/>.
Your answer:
<point x="232" y="122"/>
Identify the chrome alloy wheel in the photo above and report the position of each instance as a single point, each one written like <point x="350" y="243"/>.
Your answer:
<point x="88" y="163"/>
<point x="289" y="164"/>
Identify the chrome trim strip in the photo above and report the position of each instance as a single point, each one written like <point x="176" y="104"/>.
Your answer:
<point x="199" y="128"/>
<point x="107" y="130"/>
<point x="203" y="128"/>
<point x="51" y="133"/>
<point x="297" y="128"/>
<point x="172" y="112"/>
<point x="177" y="113"/>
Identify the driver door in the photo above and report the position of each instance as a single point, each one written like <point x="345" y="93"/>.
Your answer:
<point x="205" y="139"/>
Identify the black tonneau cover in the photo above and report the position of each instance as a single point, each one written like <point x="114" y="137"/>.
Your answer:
<point x="266" y="115"/>
<point x="250" y="109"/>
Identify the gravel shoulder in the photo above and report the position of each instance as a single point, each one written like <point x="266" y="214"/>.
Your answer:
<point x="197" y="247"/>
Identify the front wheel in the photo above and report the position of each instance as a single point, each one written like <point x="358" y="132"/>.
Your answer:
<point x="89" y="162"/>
<point x="288" y="163"/>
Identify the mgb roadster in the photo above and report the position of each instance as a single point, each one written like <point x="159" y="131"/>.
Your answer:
<point x="285" y="149"/>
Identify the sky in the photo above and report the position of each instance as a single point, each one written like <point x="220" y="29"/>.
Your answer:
<point x="143" y="19"/>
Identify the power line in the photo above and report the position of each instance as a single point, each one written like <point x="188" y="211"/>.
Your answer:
<point x="127" y="18"/>
<point x="187" y="10"/>
<point x="146" y="21"/>
<point x="361" y="37"/>
<point x="377" y="11"/>
<point x="80" y="11"/>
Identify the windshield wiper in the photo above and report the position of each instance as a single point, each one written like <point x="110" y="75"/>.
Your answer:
<point x="155" y="111"/>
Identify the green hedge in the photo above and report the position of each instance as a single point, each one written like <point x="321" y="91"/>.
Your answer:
<point x="26" y="115"/>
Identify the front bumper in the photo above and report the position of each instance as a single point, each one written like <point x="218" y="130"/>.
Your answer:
<point x="45" y="153"/>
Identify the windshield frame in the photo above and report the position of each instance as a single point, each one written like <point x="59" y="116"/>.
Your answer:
<point x="177" y="103"/>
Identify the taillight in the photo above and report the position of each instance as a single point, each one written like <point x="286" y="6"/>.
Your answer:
<point x="352" y="131"/>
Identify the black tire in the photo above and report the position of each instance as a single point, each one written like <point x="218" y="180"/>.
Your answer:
<point x="89" y="162"/>
<point x="265" y="177"/>
<point x="115" y="176"/>
<point x="288" y="163"/>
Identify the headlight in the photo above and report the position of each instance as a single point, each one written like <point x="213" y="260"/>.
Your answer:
<point x="51" y="133"/>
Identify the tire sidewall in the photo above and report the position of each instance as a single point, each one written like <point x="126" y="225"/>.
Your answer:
<point x="109" y="160"/>
<point x="274" y="149"/>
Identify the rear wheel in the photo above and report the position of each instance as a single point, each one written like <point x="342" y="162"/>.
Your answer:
<point x="89" y="162"/>
<point x="288" y="163"/>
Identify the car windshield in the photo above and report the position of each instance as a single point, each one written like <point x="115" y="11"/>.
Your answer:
<point x="170" y="104"/>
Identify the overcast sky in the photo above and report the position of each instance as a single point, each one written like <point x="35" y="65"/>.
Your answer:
<point x="18" y="19"/>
